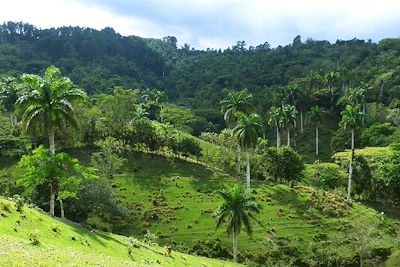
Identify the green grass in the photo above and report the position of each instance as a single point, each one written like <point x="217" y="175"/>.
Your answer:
<point x="68" y="244"/>
<point x="190" y="197"/>
<point x="183" y="195"/>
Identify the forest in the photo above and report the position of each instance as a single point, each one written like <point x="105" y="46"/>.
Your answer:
<point x="293" y="151"/>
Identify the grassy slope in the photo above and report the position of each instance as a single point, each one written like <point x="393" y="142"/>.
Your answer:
<point x="189" y="192"/>
<point x="68" y="244"/>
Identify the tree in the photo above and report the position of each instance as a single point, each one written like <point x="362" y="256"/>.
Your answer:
<point x="233" y="103"/>
<point x="237" y="211"/>
<point x="63" y="174"/>
<point x="107" y="161"/>
<point x="330" y="80"/>
<point x="276" y="119"/>
<point x="315" y="116"/>
<point x="47" y="104"/>
<point x="351" y="118"/>
<point x="246" y="132"/>
<point x="10" y="90"/>
<point x="288" y="118"/>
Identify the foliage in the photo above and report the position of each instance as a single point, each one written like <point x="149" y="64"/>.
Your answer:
<point x="60" y="172"/>
<point x="107" y="161"/>
<point x="282" y="164"/>
<point x="326" y="176"/>
<point x="378" y="134"/>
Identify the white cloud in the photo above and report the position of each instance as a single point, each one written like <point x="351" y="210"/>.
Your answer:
<point x="208" y="23"/>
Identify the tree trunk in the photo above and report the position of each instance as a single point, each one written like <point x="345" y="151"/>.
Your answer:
<point x="278" y="138"/>
<point x="62" y="209"/>
<point x="316" y="141"/>
<point x="161" y="117"/>
<point x="332" y="98"/>
<point x="52" y="200"/>
<point x="51" y="143"/>
<point x="235" y="245"/>
<point x="288" y="137"/>
<point x="247" y="171"/>
<point x="363" y="111"/>
<point x="295" y="112"/>
<point x="301" y="122"/>
<point x="351" y="166"/>
<point x="238" y="160"/>
<point x="381" y="93"/>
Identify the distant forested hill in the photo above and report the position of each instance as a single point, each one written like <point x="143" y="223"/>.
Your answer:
<point x="98" y="61"/>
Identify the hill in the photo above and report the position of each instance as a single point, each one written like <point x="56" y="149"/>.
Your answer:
<point x="31" y="237"/>
<point x="176" y="200"/>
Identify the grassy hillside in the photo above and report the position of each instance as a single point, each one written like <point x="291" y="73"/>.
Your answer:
<point x="176" y="200"/>
<point x="67" y="244"/>
<point x="182" y="198"/>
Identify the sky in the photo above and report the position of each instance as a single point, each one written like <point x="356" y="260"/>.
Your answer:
<point x="218" y="23"/>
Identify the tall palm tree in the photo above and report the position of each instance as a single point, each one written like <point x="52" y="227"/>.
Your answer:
<point x="47" y="107"/>
<point x="289" y="117"/>
<point x="330" y="79"/>
<point x="315" y="116"/>
<point x="246" y="131"/>
<point x="233" y="103"/>
<point x="47" y="104"/>
<point x="275" y="119"/>
<point x="363" y="90"/>
<point x="10" y="90"/>
<point x="237" y="211"/>
<point x="351" y="118"/>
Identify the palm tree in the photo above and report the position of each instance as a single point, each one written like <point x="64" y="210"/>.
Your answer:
<point x="246" y="131"/>
<point x="47" y="106"/>
<point x="288" y="116"/>
<point x="237" y="211"/>
<point x="10" y="90"/>
<point x="351" y="118"/>
<point x="235" y="102"/>
<point x="315" y="116"/>
<point x="330" y="79"/>
<point x="275" y="119"/>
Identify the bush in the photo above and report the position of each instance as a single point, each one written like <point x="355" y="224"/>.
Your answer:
<point x="377" y="134"/>
<point x="283" y="164"/>
<point x="325" y="175"/>
<point x="34" y="238"/>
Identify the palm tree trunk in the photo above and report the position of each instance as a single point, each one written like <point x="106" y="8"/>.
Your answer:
<point x="278" y="137"/>
<point x="316" y="141"/>
<point x="288" y="137"/>
<point x="301" y="122"/>
<point x="62" y="209"/>
<point x="351" y="166"/>
<point x="51" y="143"/>
<point x="381" y="93"/>
<point x="238" y="160"/>
<point x="52" y="200"/>
<point x="363" y="111"/>
<point x="235" y="245"/>
<point x="161" y="116"/>
<point x="332" y="97"/>
<point x="247" y="171"/>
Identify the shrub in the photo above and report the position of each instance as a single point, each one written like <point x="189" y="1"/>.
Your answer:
<point x="325" y="175"/>
<point x="150" y="238"/>
<point x="19" y="203"/>
<point x="34" y="238"/>
<point x="283" y="164"/>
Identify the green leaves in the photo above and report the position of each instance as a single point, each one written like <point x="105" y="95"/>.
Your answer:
<point x="236" y="210"/>
<point x="247" y="129"/>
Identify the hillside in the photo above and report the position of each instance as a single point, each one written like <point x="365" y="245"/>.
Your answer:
<point x="177" y="199"/>
<point x="64" y="243"/>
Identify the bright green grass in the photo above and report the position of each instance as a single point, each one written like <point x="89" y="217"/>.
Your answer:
<point x="189" y="189"/>
<point x="68" y="244"/>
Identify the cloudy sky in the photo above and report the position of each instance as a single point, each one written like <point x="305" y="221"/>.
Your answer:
<point x="218" y="23"/>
